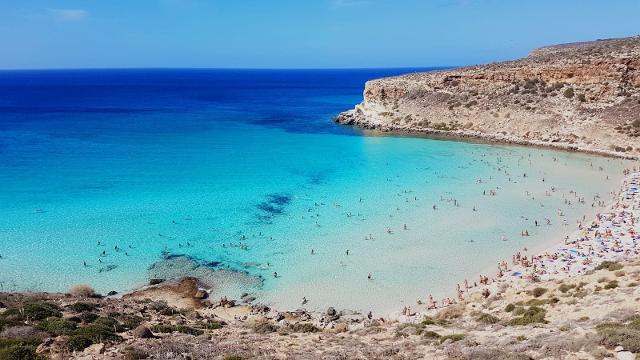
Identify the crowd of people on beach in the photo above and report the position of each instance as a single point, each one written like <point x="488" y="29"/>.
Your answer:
<point x="612" y="236"/>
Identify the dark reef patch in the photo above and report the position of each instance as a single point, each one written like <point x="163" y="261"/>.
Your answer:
<point x="273" y="205"/>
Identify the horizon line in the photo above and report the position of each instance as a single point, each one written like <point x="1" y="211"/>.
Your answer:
<point x="233" y="68"/>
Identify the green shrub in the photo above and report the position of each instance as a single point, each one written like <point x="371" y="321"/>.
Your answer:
<point x="609" y="265"/>
<point x="57" y="326"/>
<point x="530" y="84"/>
<point x="234" y="357"/>
<point x="582" y="98"/>
<point x="619" y="334"/>
<point x="169" y="328"/>
<point x="540" y="302"/>
<point x="536" y="302"/>
<point x="78" y="342"/>
<point x="533" y="315"/>
<point x="430" y="334"/>
<point x="88" y="317"/>
<point x="82" y="307"/>
<point x="453" y="337"/>
<point x="519" y="310"/>
<point x="636" y="123"/>
<point x="303" y="328"/>
<point x="211" y="324"/>
<point x="509" y="308"/>
<point x="564" y="288"/>
<point x="431" y="321"/>
<point x="131" y="353"/>
<point x="33" y="312"/>
<point x="110" y="323"/>
<point x="569" y="93"/>
<point x="162" y="308"/>
<point x="539" y="291"/>
<point x="264" y="327"/>
<point x="611" y="284"/>
<point x="98" y="333"/>
<point x="19" y="349"/>
<point x="18" y="352"/>
<point x="128" y="322"/>
<point x="487" y="319"/>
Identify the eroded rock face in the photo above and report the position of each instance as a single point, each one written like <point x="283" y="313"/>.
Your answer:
<point x="583" y="96"/>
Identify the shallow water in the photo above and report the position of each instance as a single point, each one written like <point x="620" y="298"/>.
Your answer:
<point x="243" y="170"/>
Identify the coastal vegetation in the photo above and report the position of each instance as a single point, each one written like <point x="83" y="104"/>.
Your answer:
<point x="515" y="323"/>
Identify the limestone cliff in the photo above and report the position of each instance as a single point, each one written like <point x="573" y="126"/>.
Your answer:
<point x="582" y="96"/>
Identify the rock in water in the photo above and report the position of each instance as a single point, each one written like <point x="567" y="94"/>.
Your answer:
<point x="156" y="281"/>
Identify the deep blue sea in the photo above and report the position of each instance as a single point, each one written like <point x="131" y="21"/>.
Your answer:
<point x="110" y="177"/>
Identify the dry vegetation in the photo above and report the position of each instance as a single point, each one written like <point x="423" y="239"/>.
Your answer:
<point x="586" y="317"/>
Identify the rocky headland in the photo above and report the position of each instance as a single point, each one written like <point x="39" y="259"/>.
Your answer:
<point x="580" y="96"/>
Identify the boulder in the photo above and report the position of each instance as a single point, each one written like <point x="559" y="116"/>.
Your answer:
<point x="156" y="281"/>
<point x="95" y="349"/>
<point x="142" y="332"/>
<point x="201" y="294"/>
<point x="52" y="346"/>
<point x="625" y="355"/>
<point x="341" y="327"/>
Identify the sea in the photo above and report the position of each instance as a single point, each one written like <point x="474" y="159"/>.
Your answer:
<point x="113" y="177"/>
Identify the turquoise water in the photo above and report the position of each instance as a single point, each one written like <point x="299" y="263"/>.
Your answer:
<point x="243" y="170"/>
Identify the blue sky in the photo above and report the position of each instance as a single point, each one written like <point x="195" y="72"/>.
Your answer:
<point x="296" y="33"/>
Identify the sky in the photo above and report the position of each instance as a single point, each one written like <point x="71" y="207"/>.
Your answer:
<point x="296" y="33"/>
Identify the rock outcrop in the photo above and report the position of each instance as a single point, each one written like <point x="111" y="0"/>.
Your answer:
<point x="581" y="96"/>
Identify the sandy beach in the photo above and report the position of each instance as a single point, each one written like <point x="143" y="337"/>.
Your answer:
<point x="611" y="237"/>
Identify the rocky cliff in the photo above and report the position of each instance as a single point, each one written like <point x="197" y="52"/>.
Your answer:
<point x="580" y="96"/>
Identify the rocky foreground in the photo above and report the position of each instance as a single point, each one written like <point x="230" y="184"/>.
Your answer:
<point x="593" y="316"/>
<point x="582" y="96"/>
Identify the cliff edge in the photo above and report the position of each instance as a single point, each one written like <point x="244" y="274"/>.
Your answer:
<point x="579" y="96"/>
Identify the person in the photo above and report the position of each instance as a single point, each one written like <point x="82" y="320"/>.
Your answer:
<point x="369" y="276"/>
<point x="275" y="274"/>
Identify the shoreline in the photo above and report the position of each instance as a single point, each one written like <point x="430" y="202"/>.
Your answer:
<point x="543" y="264"/>
<point x="476" y="137"/>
